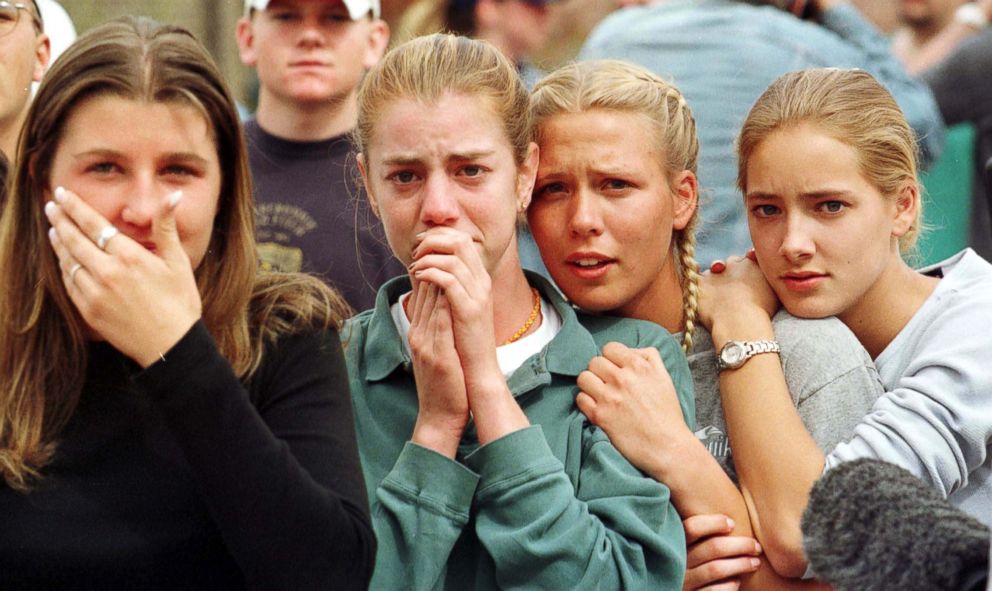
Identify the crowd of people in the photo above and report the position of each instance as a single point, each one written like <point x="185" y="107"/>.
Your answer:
<point x="433" y="319"/>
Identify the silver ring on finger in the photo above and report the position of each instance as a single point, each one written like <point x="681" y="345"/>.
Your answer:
<point x="72" y="272"/>
<point x="108" y="232"/>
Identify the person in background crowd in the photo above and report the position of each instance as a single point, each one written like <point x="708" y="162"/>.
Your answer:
<point x="481" y="471"/>
<point x="958" y="75"/>
<point x="310" y="56"/>
<point x="58" y="26"/>
<point x="931" y="29"/>
<point x="170" y="417"/>
<point x="723" y="53"/>
<point x="24" y="50"/>
<point x="518" y="28"/>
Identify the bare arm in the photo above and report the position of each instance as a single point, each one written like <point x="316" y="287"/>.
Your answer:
<point x="777" y="460"/>
<point x="628" y="394"/>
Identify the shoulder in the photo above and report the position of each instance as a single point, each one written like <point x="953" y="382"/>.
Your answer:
<point x="961" y="300"/>
<point x="953" y="318"/>
<point x="820" y="333"/>
<point x="354" y="331"/>
<point x="310" y="355"/>
<point x="813" y="346"/>
<point x="966" y="271"/>
<point x="630" y="332"/>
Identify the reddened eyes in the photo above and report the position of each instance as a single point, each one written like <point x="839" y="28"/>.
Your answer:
<point x="764" y="210"/>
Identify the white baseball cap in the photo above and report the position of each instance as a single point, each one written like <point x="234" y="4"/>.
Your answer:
<point x="356" y="8"/>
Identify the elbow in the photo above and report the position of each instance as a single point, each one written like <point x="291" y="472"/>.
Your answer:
<point x="348" y="560"/>
<point x="366" y="547"/>
<point x="783" y="550"/>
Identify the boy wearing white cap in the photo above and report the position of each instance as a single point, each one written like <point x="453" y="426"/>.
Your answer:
<point x="310" y="56"/>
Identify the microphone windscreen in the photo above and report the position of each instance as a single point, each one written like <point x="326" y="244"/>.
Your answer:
<point x="871" y="525"/>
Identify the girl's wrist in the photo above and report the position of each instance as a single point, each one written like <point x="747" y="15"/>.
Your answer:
<point x="668" y="462"/>
<point x="742" y="324"/>
<point x="442" y="436"/>
<point x="496" y="413"/>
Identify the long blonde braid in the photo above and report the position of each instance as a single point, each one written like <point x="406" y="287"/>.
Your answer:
<point x="681" y="130"/>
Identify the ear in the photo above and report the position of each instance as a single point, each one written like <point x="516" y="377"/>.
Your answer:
<point x="526" y="176"/>
<point x="377" y="42"/>
<point x="907" y="205"/>
<point x="42" y="53"/>
<point x="365" y="181"/>
<point x="245" y="35"/>
<point x="685" y="199"/>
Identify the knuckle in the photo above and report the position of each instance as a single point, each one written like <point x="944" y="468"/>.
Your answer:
<point x="716" y="569"/>
<point x="613" y="348"/>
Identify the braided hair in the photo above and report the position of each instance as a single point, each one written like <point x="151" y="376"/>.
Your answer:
<point x="620" y="86"/>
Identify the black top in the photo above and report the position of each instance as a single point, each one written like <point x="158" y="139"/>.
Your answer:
<point x="178" y="477"/>
<point x="312" y="215"/>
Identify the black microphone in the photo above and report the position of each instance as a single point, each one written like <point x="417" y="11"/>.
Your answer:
<point x="872" y="526"/>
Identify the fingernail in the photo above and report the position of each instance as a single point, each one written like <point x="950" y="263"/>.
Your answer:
<point x="60" y="194"/>
<point x="52" y="235"/>
<point x="755" y="563"/>
<point x="757" y="548"/>
<point x="50" y="209"/>
<point x="730" y="523"/>
<point x="174" y="199"/>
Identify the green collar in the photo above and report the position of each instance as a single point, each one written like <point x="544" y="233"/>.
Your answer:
<point x="568" y="354"/>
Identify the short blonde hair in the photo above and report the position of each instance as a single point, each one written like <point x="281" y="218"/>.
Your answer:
<point x="619" y="86"/>
<point x="853" y="108"/>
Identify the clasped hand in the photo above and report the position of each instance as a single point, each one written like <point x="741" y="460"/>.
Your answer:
<point x="453" y="345"/>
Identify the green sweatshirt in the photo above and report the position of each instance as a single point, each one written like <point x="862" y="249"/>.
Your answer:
<point x="552" y="506"/>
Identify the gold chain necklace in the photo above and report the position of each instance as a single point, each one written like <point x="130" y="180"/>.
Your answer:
<point x="534" y="313"/>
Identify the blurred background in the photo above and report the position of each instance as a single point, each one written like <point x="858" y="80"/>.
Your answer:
<point x="213" y="21"/>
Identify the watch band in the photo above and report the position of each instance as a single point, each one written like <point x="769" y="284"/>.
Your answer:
<point x="735" y="353"/>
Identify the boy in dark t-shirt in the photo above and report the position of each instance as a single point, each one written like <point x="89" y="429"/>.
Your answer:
<point x="312" y="215"/>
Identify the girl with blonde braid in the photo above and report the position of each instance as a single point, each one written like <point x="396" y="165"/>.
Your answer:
<point x="613" y="212"/>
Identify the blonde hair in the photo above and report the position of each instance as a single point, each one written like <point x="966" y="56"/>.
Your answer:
<point x="40" y="328"/>
<point x="853" y="108"/>
<point x="427" y="68"/>
<point x="619" y="86"/>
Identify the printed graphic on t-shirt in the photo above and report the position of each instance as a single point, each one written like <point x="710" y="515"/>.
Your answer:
<point x="715" y="440"/>
<point x="276" y="257"/>
<point x="280" y="228"/>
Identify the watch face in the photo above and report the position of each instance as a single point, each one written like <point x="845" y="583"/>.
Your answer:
<point x="733" y="354"/>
